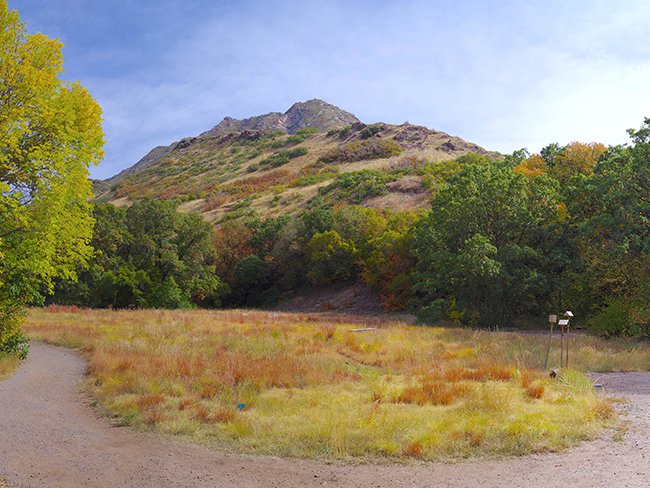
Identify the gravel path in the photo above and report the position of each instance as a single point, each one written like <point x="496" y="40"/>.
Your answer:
<point x="50" y="436"/>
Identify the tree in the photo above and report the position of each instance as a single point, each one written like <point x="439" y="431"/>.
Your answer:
<point x="332" y="258"/>
<point x="50" y="132"/>
<point x="611" y="214"/>
<point x="251" y="281"/>
<point x="149" y="255"/>
<point x="562" y="162"/>
<point x="389" y="266"/>
<point x="487" y="246"/>
<point x="233" y="243"/>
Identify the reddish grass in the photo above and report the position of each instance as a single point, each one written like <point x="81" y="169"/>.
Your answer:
<point x="186" y="403"/>
<point x="432" y="391"/>
<point x="150" y="401"/>
<point x="534" y="389"/>
<point x="328" y="331"/>
<point x="474" y="439"/>
<point x="486" y="372"/>
<point x="155" y="416"/>
<point x="413" y="449"/>
<point x="377" y="397"/>
<point x="221" y="415"/>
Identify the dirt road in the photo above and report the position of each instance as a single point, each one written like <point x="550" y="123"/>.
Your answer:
<point x="49" y="436"/>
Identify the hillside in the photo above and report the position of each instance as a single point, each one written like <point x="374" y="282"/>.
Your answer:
<point x="273" y="164"/>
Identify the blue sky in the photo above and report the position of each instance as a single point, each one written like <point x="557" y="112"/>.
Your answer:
<point x="503" y="74"/>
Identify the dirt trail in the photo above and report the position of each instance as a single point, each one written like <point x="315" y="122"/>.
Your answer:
<point x="50" y="436"/>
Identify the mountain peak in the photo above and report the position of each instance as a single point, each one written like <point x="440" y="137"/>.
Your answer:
<point x="310" y="113"/>
<point x="319" y="114"/>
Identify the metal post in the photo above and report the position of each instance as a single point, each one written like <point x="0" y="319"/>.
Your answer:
<point x="566" y="321"/>
<point x="552" y="319"/>
<point x="568" y="336"/>
<point x="561" y="345"/>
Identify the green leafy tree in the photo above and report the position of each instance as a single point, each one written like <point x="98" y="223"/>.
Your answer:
<point x="50" y="132"/>
<point x="359" y="226"/>
<point x="149" y="255"/>
<point x="611" y="217"/>
<point x="486" y="247"/>
<point x="390" y="264"/>
<point x="332" y="259"/>
<point x="251" y="281"/>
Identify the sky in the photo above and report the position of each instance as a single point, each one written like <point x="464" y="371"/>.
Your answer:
<point x="503" y="74"/>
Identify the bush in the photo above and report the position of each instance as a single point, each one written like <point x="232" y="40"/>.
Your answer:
<point x="306" y="131"/>
<point x="283" y="157"/>
<point x="363" y="150"/>
<point x="17" y="345"/>
<point x="356" y="186"/>
<point x="342" y="132"/>
<point x="290" y="140"/>
<point x="621" y="318"/>
<point x="312" y="179"/>
<point x="370" y="131"/>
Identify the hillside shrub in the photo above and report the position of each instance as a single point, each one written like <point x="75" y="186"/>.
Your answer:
<point x="342" y="132"/>
<point x="363" y="151"/>
<point x="357" y="186"/>
<point x="283" y="157"/>
<point x="370" y="131"/>
<point x="306" y="131"/>
<point x="290" y="140"/>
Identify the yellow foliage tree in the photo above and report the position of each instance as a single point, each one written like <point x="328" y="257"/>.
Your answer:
<point x="50" y="132"/>
<point x="561" y="163"/>
<point x="577" y="158"/>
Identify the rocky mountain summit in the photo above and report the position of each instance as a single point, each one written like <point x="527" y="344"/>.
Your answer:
<point x="275" y="164"/>
<point x="312" y="113"/>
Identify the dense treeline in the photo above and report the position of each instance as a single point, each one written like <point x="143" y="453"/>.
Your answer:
<point x="504" y="240"/>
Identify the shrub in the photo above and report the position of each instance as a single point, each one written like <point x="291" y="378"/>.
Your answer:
<point x="283" y="157"/>
<point x="363" y="151"/>
<point x="312" y="179"/>
<point x="306" y="131"/>
<point x="289" y="141"/>
<point x="342" y="132"/>
<point x="357" y="186"/>
<point x="17" y="345"/>
<point x="621" y="318"/>
<point x="370" y="131"/>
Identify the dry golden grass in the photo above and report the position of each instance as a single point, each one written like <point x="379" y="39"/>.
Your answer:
<point x="8" y="365"/>
<point x="305" y="385"/>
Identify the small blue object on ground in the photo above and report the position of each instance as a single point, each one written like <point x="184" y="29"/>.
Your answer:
<point x="241" y="406"/>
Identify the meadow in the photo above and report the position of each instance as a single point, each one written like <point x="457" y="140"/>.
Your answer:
<point x="313" y="385"/>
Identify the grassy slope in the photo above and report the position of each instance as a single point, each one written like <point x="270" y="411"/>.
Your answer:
<point x="311" y="387"/>
<point x="213" y="174"/>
